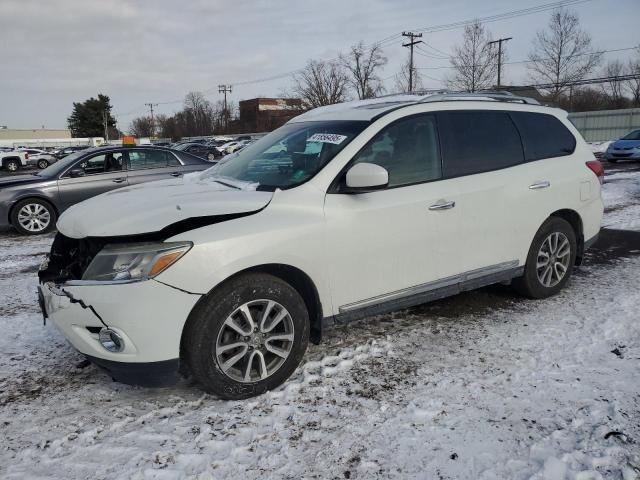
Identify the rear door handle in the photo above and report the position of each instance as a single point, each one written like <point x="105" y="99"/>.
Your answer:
<point x="176" y="174"/>
<point x="539" y="185"/>
<point x="118" y="180"/>
<point x="442" y="205"/>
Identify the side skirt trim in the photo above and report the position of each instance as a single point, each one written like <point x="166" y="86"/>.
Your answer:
<point x="428" y="292"/>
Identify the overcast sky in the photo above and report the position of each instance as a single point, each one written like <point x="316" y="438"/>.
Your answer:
<point x="55" y="52"/>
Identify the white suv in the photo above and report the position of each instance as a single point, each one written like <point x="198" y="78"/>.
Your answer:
<point x="346" y="211"/>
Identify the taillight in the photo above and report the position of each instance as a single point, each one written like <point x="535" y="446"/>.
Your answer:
<point x="26" y="156"/>
<point x="596" y="167"/>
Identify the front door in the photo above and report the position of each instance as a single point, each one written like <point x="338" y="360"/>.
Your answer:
<point x="101" y="173"/>
<point x="386" y="241"/>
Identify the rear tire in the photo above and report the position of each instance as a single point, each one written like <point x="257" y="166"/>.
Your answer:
<point x="42" y="164"/>
<point x="246" y="337"/>
<point x="550" y="261"/>
<point x="12" y="165"/>
<point x="33" y="216"/>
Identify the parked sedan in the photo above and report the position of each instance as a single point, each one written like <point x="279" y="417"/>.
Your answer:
<point x="32" y="203"/>
<point x="626" y="148"/>
<point x="208" y="152"/>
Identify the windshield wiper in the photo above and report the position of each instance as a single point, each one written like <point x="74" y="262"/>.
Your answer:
<point x="227" y="184"/>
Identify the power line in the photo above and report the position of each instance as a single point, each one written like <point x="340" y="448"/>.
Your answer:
<point x="443" y="67"/>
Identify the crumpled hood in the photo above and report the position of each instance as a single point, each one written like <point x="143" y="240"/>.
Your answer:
<point x="150" y="207"/>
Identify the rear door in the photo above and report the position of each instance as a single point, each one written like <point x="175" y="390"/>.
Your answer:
<point x="481" y="156"/>
<point x="147" y="165"/>
<point x="552" y="177"/>
<point x="102" y="172"/>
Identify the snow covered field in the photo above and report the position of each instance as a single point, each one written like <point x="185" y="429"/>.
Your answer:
<point x="484" y="385"/>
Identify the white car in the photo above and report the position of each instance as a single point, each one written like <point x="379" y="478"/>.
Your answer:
<point x="347" y="211"/>
<point x="40" y="158"/>
<point x="228" y="147"/>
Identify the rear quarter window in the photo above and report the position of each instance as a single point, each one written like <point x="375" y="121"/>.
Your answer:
<point x="543" y="136"/>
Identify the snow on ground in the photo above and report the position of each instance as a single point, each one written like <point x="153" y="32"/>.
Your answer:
<point x="484" y="385"/>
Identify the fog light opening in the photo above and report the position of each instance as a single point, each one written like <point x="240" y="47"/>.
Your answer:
<point x="111" y="340"/>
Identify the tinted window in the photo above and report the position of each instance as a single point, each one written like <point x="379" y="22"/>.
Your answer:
<point x="474" y="142"/>
<point x="103" y="163"/>
<point x="139" y="159"/>
<point x="635" y="135"/>
<point x="408" y="149"/>
<point x="543" y="136"/>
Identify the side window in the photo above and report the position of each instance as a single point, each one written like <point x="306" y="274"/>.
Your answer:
<point x="408" y="149"/>
<point x="103" y="163"/>
<point x="173" y="161"/>
<point x="543" y="135"/>
<point x="478" y="141"/>
<point x="142" y="159"/>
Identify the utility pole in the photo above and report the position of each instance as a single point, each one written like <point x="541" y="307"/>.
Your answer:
<point x="153" y="123"/>
<point x="105" y="123"/>
<point x="499" y="42"/>
<point x="225" y="89"/>
<point x="412" y="36"/>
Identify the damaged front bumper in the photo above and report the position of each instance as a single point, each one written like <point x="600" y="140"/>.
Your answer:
<point x="149" y="316"/>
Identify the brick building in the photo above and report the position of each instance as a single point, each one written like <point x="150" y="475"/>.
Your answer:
<point x="266" y="114"/>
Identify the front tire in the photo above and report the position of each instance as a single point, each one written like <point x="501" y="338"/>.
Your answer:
<point x="247" y="336"/>
<point x="33" y="217"/>
<point x="550" y="261"/>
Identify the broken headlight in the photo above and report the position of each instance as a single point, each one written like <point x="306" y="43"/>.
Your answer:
<point x="130" y="262"/>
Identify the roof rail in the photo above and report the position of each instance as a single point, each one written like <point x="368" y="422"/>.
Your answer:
<point x="486" y="96"/>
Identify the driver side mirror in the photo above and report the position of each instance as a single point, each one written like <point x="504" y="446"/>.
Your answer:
<point x="77" y="172"/>
<point x="365" y="177"/>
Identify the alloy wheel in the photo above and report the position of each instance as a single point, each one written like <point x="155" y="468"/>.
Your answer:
<point x="553" y="259"/>
<point x="254" y="341"/>
<point x="34" y="217"/>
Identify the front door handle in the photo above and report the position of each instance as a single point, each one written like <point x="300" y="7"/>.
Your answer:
<point x="442" y="205"/>
<point x="539" y="185"/>
<point x="118" y="180"/>
<point x="176" y="174"/>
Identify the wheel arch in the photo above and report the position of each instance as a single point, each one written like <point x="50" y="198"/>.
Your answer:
<point x="295" y="277"/>
<point x="574" y="219"/>
<point x="6" y="159"/>
<point x="32" y="197"/>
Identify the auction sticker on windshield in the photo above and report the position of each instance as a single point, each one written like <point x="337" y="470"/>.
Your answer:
<point x="327" y="138"/>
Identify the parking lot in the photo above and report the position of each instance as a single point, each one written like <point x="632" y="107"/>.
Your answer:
<point x="482" y="385"/>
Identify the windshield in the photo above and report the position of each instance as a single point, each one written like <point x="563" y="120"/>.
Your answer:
<point x="61" y="165"/>
<point x="288" y="156"/>
<point x="182" y="146"/>
<point x="635" y="135"/>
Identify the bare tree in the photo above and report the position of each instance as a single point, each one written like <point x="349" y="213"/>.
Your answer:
<point x="562" y="53"/>
<point x="199" y="114"/>
<point x="475" y="62"/>
<point x="614" y="89"/>
<point x="362" y="65"/>
<point x="141" y="127"/>
<point x="633" y="86"/>
<point x="321" y="83"/>
<point x="401" y="80"/>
